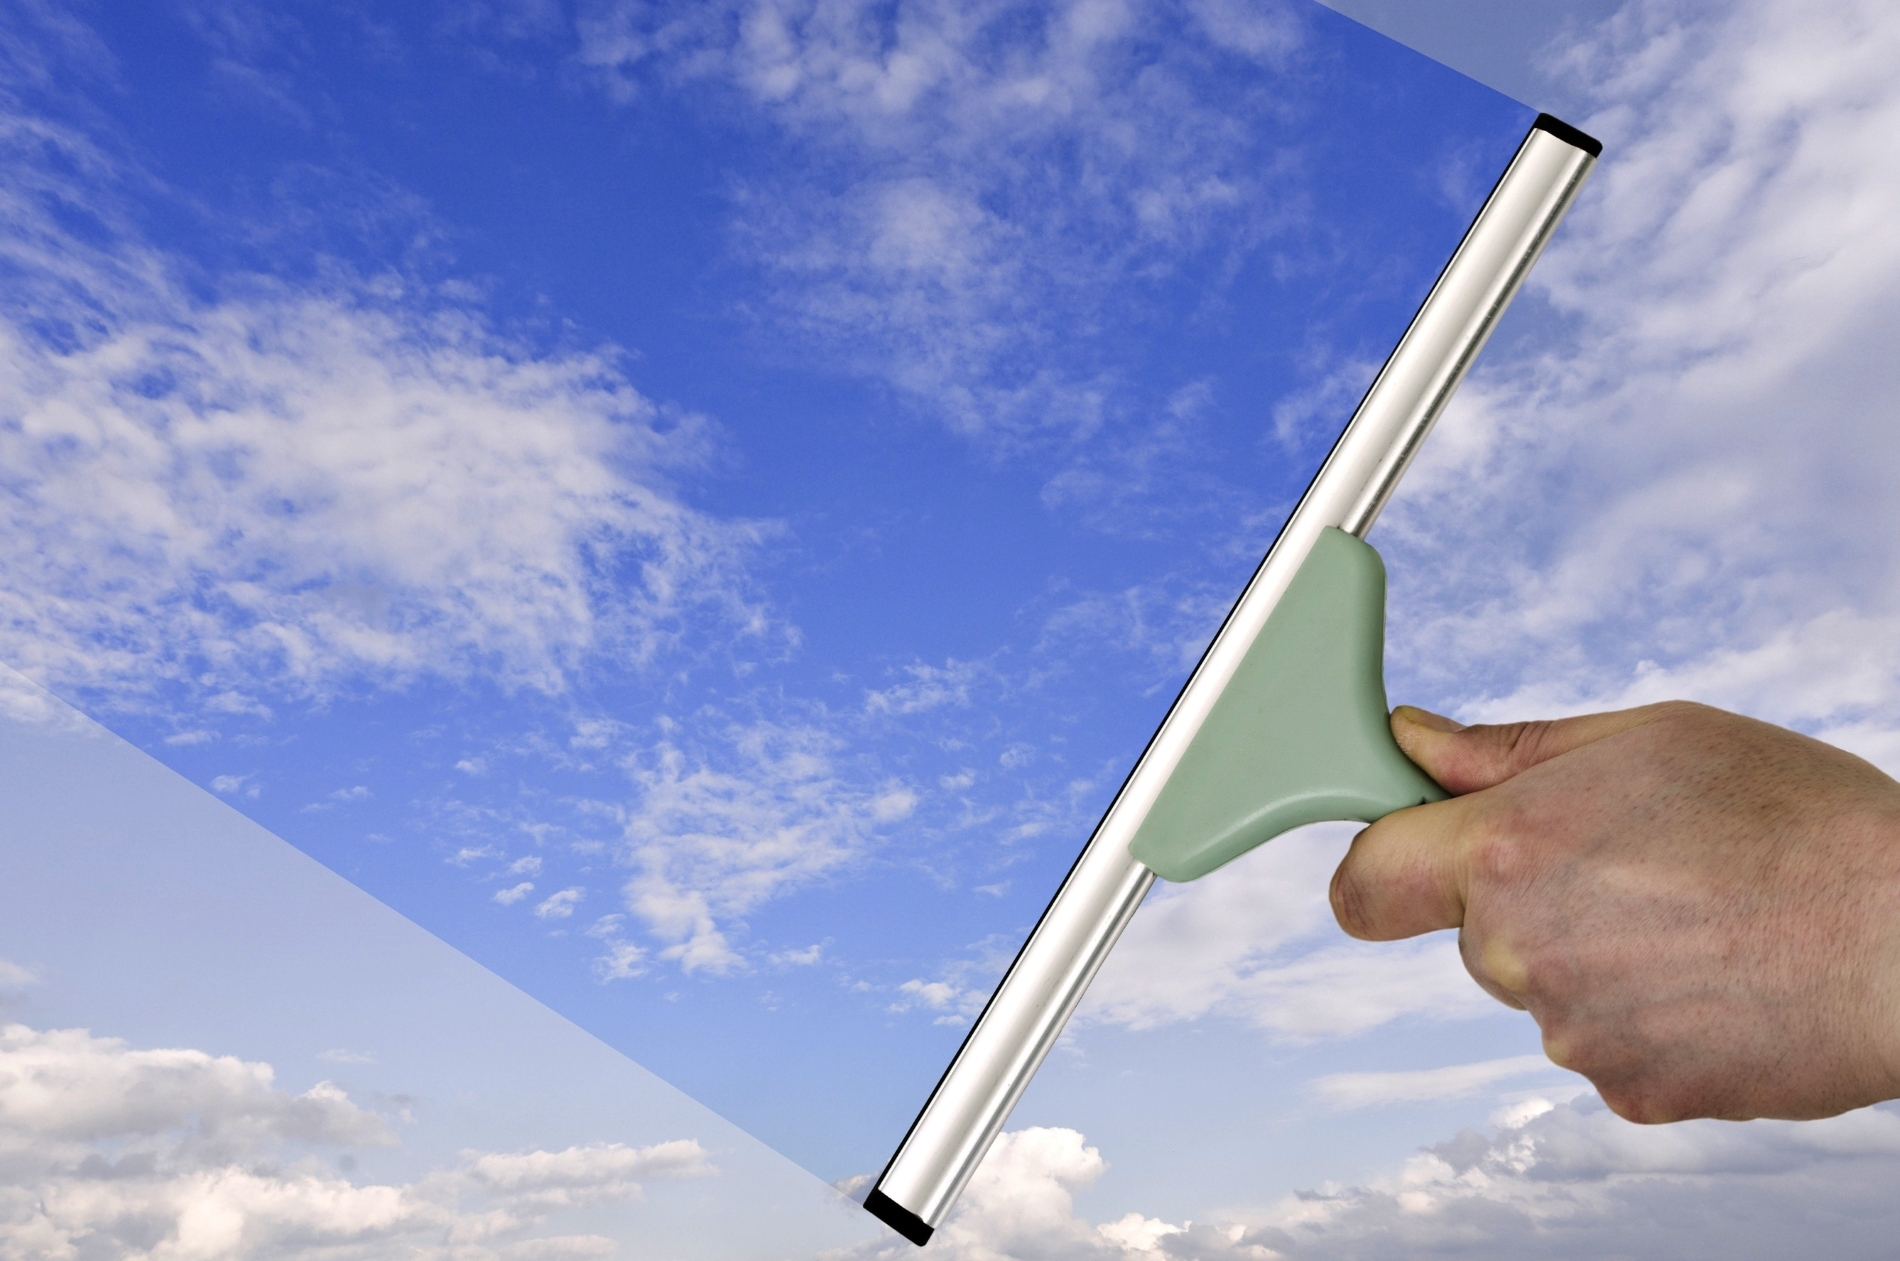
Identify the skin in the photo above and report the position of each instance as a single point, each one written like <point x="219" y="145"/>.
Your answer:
<point x="1701" y="911"/>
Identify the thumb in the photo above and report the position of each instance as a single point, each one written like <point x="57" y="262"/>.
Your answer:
<point x="1465" y="759"/>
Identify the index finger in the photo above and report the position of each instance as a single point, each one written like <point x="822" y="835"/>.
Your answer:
<point x="1406" y="874"/>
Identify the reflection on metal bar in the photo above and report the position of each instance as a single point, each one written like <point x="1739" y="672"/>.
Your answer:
<point x="1098" y="898"/>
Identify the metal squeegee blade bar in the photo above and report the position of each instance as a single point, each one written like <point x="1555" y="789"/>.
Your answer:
<point x="1105" y="886"/>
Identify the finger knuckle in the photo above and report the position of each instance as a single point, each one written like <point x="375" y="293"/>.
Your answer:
<point x="1498" y="854"/>
<point x="1625" y="1101"/>
<point x="1677" y="720"/>
<point x="1646" y="1103"/>
<point x="1524" y="744"/>
<point x="1693" y="711"/>
<point x="1565" y="1044"/>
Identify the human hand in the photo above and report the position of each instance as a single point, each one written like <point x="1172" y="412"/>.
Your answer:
<point x="1701" y="911"/>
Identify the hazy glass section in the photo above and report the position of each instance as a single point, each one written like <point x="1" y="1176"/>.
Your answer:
<point x="222" y="1035"/>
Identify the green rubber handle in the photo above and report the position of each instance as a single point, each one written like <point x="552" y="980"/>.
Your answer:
<point x="1300" y="734"/>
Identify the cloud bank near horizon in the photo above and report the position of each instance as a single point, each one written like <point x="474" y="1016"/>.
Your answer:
<point x="179" y="1154"/>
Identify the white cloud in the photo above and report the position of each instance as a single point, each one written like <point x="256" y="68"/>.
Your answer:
<point x="560" y="905"/>
<point x="958" y="1003"/>
<point x="603" y="1170"/>
<point x="963" y="983"/>
<point x="338" y="796"/>
<point x="281" y="493"/>
<point x="562" y="1246"/>
<point x="22" y="700"/>
<point x="233" y="785"/>
<point x="13" y="975"/>
<point x="341" y="1056"/>
<point x="927" y="687"/>
<point x="1134" y="1233"/>
<point x="113" y="1150"/>
<point x="1312" y="414"/>
<point x="1574" y="1180"/>
<point x="712" y="839"/>
<point x="1836" y="675"/>
<point x="930" y="993"/>
<point x="1020" y="1203"/>
<point x="1369" y="1090"/>
<point x="67" y="1086"/>
<point x="510" y="896"/>
<point x="622" y="962"/>
<point x="1256" y="943"/>
<point x="623" y="959"/>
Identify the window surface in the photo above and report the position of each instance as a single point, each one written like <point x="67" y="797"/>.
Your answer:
<point x="695" y="509"/>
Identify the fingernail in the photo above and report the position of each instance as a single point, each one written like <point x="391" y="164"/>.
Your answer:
<point x="1427" y="719"/>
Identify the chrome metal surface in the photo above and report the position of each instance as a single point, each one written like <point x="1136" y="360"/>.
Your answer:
<point x="1046" y="982"/>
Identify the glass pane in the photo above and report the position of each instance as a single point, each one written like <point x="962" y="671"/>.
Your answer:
<point x="700" y="533"/>
<point x="696" y="507"/>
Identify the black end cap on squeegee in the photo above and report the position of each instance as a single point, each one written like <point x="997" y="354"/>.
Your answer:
<point x="898" y="1218"/>
<point x="1569" y="135"/>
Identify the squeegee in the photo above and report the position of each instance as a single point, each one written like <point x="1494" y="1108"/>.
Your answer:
<point x="1283" y="722"/>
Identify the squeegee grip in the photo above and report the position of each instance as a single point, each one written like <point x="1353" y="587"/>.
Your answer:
<point x="1105" y="886"/>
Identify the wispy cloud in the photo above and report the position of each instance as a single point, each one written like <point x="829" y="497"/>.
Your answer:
<point x="514" y="894"/>
<point x="559" y="905"/>
<point x="623" y="960"/>
<point x="1160" y="627"/>
<point x="981" y="177"/>
<point x="960" y="986"/>
<point x="236" y="785"/>
<point x="718" y="828"/>
<point x="341" y="1056"/>
<point x="1675" y="494"/>
<point x="287" y="493"/>
<point x="926" y="687"/>
<point x="950" y="1002"/>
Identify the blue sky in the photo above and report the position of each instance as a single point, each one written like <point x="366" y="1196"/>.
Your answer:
<point x="700" y="515"/>
<point x="697" y="507"/>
